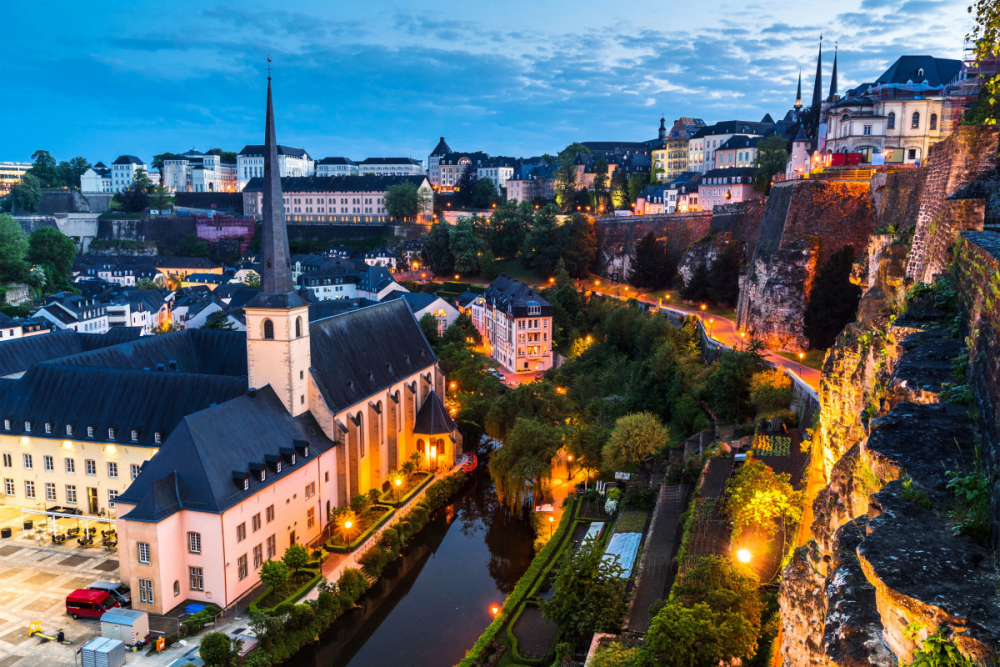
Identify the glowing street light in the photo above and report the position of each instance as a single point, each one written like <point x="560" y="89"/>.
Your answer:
<point x="551" y="520"/>
<point x="743" y="339"/>
<point x="569" y="474"/>
<point x="495" y="610"/>
<point x="454" y="384"/>
<point x="801" y="357"/>
<point x="743" y="555"/>
<point x="711" y="321"/>
<point x="703" y="307"/>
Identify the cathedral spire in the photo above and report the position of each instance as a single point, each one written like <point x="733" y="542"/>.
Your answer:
<point x="818" y="85"/>
<point x="833" y="79"/>
<point x="276" y="271"/>
<point x="798" y="93"/>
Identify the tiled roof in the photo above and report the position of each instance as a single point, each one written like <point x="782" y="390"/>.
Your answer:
<point x="258" y="149"/>
<point x="128" y="159"/>
<point x="390" y="160"/>
<point x="433" y="418"/>
<point x="907" y="70"/>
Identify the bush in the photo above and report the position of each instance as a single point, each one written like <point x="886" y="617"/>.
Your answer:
<point x="218" y="650"/>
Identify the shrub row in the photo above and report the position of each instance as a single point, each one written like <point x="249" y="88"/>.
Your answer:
<point x="332" y="546"/>
<point x="525" y="584"/>
<point x="195" y="622"/>
<point x="387" y="497"/>
<point x="296" y="594"/>
<point x="285" y="629"/>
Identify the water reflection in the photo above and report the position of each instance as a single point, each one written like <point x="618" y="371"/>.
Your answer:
<point x="433" y="603"/>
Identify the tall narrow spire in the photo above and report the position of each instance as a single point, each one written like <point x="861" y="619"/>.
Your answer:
<point x="818" y="85"/>
<point x="276" y="270"/>
<point x="798" y="93"/>
<point x="833" y="78"/>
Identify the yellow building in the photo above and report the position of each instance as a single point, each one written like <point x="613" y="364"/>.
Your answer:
<point x="10" y="175"/>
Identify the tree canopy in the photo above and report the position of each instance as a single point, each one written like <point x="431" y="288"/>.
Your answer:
<point x="635" y="438"/>
<point x="465" y="241"/>
<point x="54" y="252"/>
<point x="436" y="253"/>
<point x="13" y="249"/>
<point x="650" y="267"/>
<point x="404" y="201"/>
<point x="588" y="594"/>
<point x="771" y="158"/>
<point x="27" y="194"/>
<point x="757" y="497"/>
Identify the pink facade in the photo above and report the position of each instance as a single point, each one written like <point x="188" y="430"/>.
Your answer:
<point x="225" y="227"/>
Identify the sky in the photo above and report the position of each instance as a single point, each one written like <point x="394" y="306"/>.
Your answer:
<point x="383" y="78"/>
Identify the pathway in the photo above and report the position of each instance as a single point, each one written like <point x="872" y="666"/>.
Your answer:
<point x="657" y="554"/>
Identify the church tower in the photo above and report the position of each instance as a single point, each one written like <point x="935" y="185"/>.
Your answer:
<point x="833" y="79"/>
<point x="818" y="85"/>
<point x="278" y="351"/>
<point x="662" y="134"/>
<point x="798" y="93"/>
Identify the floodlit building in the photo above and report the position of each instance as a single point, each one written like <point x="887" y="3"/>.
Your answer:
<point x="292" y="162"/>
<point x="11" y="174"/>
<point x="516" y="326"/>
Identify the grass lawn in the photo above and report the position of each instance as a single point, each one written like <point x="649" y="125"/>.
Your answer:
<point x="813" y="359"/>
<point x="631" y="521"/>
<point x="295" y="581"/>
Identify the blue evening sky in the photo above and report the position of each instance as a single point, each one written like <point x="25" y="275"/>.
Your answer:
<point x="377" y="78"/>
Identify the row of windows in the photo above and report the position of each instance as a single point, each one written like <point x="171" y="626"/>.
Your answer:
<point x="48" y="462"/>
<point x="10" y="489"/>
<point x="91" y="430"/>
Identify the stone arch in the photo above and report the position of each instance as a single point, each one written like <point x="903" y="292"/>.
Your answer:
<point x="268" y="329"/>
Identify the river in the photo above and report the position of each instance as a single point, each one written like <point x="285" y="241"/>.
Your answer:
<point x="433" y="602"/>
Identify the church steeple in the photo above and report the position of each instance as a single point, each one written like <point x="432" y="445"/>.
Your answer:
<point x="833" y="78"/>
<point x="662" y="134"/>
<point x="278" y="348"/>
<point x="798" y="93"/>
<point x="818" y="85"/>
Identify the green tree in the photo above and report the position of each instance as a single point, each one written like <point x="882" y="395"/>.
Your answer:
<point x="614" y="655"/>
<point x="158" y="161"/>
<point x="13" y="249"/>
<point x="724" y="278"/>
<point x="70" y="172"/>
<point x="218" y="321"/>
<point x="465" y="186"/>
<point x="190" y="246"/>
<point x="635" y="438"/>
<point x="771" y="390"/>
<point x="273" y="573"/>
<point x="466" y="243"/>
<point x="27" y="194"/>
<point x="649" y="266"/>
<point x="134" y="198"/>
<point x="577" y="245"/>
<point x="698" y="289"/>
<point x="566" y="173"/>
<point x="713" y="615"/>
<point x="55" y="252"/>
<point x="252" y="280"/>
<point x="218" y="650"/>
<point x="727" y="387"/>
<point x="588" y="594"/>
<point x="985" y="36"/>
<point x="295" y="558"/>
<point x="619" y="190"/>
<point x="146" y="283"/>
<point x="429" y="325"/>
<point x="404" y="201"/>
<point x="522" y="465"/>
<point x="757" y="497"/>
<point x="636" y="183"/>
<point x="45" y="170"/>
<point x="508" y="227"/>
<point x="542" y="248"/>
<point x="484" y="193"/>
<point x="771" y="159"/>
<point x="225" y="156"/>
<point x="436" y="253"/>
<point x="833" y="300"/>
<point x="602" y="194"/>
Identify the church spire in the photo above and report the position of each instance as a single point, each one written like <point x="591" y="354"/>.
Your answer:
<point x="833" y="79"/>
<point x="276" y="271"/>
<point x="798" y="93"/>
<point x="818" y="85"/>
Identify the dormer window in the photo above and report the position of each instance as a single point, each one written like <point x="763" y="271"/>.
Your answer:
<point x="277" y="466"/>
<point x="305" y="451"/>
<point x="246" y="482"/>
<point x="27" y="426"/>
<point x="293" y="458"/>
<point x="48" y="427"/>
<point x="157" y="437"/>
<point x="263" y="474"/>
<point x="6" y="424"/>
<point x="111" y="434"/>
<point x="90" y="431"/>
<point x="69" y="429"/>
<point x="135" y="435"/>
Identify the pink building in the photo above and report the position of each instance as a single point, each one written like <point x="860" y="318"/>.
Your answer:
<point x="225" y="227"/>
<point x="726" y="186"/>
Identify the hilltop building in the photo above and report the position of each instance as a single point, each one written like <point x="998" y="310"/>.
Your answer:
<point x="292" y="162"/>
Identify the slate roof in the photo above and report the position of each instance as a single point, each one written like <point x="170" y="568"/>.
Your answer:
<point x="258" y="149"/>
<point x="363" y="351"/>
<point x="375" y="278"/>
<point x="20" y="354"/>
<point x="740" y="141"/>
<point x="194" y="472"/>
<point x="122" y="399"/>
<point x="937" y="71"/>
<point x="433" y="418"/>
<point x="417" y="301"/>
<point x="365" y="183"/>
<point x="128" y="159"/>
<point x="336" y="160"/>
<point x="390" y="160"/>
<point x="208" y="278"/>
<point x="466" y="297"/>
<point x="727" y="175"/>
<point x="513" y="296"/>
<point x="734" y="127"/>
<point x="323" y="309"/>
<point x="442" y="148"/>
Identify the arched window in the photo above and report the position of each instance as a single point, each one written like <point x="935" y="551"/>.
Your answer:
<point x="177" y="587"/>
<point x="361" y="435"/>
<point x="933" y="125"/>
<point x="890" y="121"/>
<point x="420" y="445"/>
<point x="268" y="330"/>
<point x="915" y="123"/>
<point x="298" y="327"/>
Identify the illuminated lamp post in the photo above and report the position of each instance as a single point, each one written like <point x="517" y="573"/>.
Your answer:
<point x="744" y="555"/>
<point x="801" y="357"/>
<point x="711" y="321"/>
<point x="551" y="521"/>
<point x="743" y="339"/>
<point x="569" y="474"/>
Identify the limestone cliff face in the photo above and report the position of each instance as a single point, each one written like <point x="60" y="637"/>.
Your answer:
<point x="704" y="252"/>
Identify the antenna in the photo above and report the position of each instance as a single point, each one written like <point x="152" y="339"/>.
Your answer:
<point x="269" y="67"/>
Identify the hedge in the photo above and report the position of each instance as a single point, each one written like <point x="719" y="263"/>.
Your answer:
<point x="296" y="594"/>
<point x="520" y="592"/>
<point x="387" y="496"/>
<point x="331" y="545"/>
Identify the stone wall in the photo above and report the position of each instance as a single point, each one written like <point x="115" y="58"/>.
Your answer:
<point x="82" y="228"/>
<point x="804" y="223"/>
<point x="617" y="237"/>
<point x="163" y="230"/>
<point x="742" y="220"/>
<point x="896" y="198"/>
<point x="966" y="156"/>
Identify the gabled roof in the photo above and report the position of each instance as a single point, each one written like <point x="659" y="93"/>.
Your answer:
<point x="433" y="418"/>
<point x="740" y="141"/>
<point x="507" y="293"/>
<point x="363" y="351"/>
<point x="734" y="127"/>
<point x="466" y="297"/>
<point x="375" y="278"/>
<point x="20" y="354"/>
<point x="417" y="301"/>
<point x="194" y="471"/>
<point x="330" y="307"/>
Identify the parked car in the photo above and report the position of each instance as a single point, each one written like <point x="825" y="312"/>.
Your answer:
<point x="118" y="590"/>
<point x="89" y="604"/>
<point x="497" y="374"/>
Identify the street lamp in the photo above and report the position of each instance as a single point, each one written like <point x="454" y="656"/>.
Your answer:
<point x="495" y="610"/>
<point x="569" y="475"/>
<point x="801" y="357"/>
<point x="710" y="323"/>
<point x="551" y="520"/>
<point x="742" y="339"/>
<point x="703" y="307"/>
<point x="743" y="555"/>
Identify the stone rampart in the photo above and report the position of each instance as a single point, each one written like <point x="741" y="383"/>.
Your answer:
<point x="617" y="238"/>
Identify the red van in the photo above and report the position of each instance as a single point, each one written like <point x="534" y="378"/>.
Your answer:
<point x="89" y="603"/>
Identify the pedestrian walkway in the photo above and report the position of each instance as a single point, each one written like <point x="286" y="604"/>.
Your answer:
<point x="657" y="554"/>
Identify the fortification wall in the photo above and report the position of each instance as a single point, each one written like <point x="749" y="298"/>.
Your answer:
<point x="617" y="237"/>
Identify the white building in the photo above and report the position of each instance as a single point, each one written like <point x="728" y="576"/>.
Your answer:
<point x="97" y="179"/>
<point x="422" y="304"/>
<point x="336" y="166"/>
<point x="123" y="171"/>
<point x="11" y="174"/>
<point x="434" y="161"/>
<point x="707" y="140"/>
<point x="391" y="166"/>
<point x="75" y="312"/>
<point x="292" y="162"/>
<point x="497" y="170"/>
<point x="195" y="171"/>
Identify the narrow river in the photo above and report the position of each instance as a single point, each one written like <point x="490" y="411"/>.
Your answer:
<point x="432" y="604"/>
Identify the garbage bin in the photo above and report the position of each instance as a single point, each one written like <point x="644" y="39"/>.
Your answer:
<point x="4" y="532"/>
<point x="29" y="524"/>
